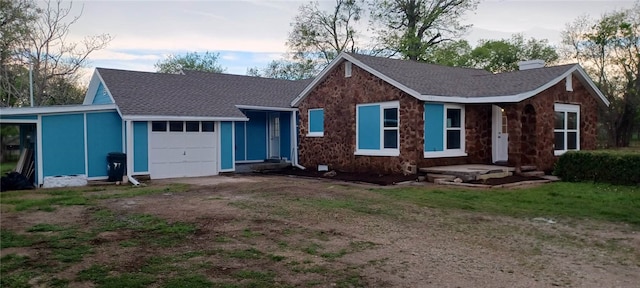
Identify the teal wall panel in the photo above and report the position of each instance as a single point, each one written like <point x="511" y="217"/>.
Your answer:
<point x="140" y="147"/>
<point x="104" y="135"/>
<point x="433" y="127"/>
<point x="226" y="143"/>
<point x="369" y="127"/>
<point x="102" y="97"/>
<point x="285" y="134"/>
<point x="256" y="135"/>
<point x="19" y="117"/>
<point x="63" y="145"/>
<point x="240" y="141"/>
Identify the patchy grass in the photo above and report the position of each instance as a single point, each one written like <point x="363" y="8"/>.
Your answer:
<point x="578" y="200"/>
<point x="6" y="167"/>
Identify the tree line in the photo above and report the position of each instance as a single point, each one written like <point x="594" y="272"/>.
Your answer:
<point x="428" y="31"/>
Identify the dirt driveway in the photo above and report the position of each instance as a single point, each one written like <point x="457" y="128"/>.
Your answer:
<point x="274" y="231"/>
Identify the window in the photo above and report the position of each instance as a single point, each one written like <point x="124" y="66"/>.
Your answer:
<point x="566" y="128"/>
<point x="444" y="132"/>
<point x="192" y="126"/>
<point x="208" y="126"/>
<point x="316" y="123"/>
<point x="378" y="129"/>
<point x="347" y="69"/>
<point x="159" y="126"/>
<point x="176" y="126"/>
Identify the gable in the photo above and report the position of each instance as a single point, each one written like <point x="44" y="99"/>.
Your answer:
<point x="436" y="83"/>
<point x="102" y="96"/>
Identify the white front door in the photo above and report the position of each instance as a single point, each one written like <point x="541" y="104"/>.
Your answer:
<point x="187" y="152"/>
<point x="500" y="137"/>
<point x="274" y="135"/>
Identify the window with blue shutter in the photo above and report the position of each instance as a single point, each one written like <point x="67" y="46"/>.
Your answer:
<point x="378" y="129"/>
<point x="444" y="132"/>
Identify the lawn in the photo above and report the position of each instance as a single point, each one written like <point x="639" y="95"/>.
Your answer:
<point x="275" y="232"/>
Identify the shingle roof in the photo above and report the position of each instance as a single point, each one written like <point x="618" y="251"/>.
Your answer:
<point x="195" y="94"/>
<point x="437" y="80"/>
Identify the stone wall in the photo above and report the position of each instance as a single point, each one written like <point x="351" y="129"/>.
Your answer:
<point x="531" y="123"/>
<point x="530" y="126"/>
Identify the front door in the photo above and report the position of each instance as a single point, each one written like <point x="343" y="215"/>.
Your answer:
<point x="500" y="137"/>
<point x="274" y="135"/>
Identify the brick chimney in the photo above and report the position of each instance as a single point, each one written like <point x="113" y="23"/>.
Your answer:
<point x="531" y="64"/>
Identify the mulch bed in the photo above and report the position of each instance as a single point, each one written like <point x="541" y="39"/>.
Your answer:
<point x="506" y="180"/>
<point x="379" y="179"/>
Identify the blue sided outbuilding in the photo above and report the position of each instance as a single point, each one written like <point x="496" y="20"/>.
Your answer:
<point x="168" y="125"/>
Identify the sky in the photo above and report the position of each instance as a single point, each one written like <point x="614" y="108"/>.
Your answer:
<point x="251" y="33"/>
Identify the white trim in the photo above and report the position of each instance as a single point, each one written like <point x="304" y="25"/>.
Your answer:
<point x="445" y="153"/>
<point x="249" y="161"/>
<point x="129" y="150"/>
<point x="19" y="121"/>
<point x="97" y="178"/>
<point x="460" y="152"/>
<point x="140" y="173"/>
<point x="233" y="150"/>
<point x="452" y="99"/>
<point x="314" y="134"/>
<point x="566" y="108"/>
<point x="347" y="57"/>
<point x="294" y="139"/>
<point x="55" y="109"/>
<point x="180" y="118"/>
<point x="381" y="151"/>
<point x="86" y="146"/>
<point x="251" y="107"/>
<point x="372" y="152"/>
<point x="39" y="151"/>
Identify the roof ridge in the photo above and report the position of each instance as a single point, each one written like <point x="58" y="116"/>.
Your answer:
<point x="356" y="55"/>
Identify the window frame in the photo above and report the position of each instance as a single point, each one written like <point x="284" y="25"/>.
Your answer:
<point x="381" y="151"/>
<point x="458" y="152"/>
<point x="314" y="133"/>
<point x="566" y="109"/>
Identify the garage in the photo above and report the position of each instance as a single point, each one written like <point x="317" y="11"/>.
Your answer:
<point x="182" y="149"/>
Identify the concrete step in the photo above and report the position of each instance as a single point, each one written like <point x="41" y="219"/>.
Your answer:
<point x="500" y="174"/>
<point x="526" y="168"/>
<point x="431" y="177"/>
<point x="532" y="173"/>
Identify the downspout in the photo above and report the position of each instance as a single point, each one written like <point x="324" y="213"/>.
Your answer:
<point x="129" y="151"/>
<point x="294" y="128"/>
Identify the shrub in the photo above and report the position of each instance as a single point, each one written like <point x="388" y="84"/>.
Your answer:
<point x="615" y="167"/>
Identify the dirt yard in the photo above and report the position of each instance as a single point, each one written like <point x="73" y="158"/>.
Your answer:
<point x="278" y="231"/>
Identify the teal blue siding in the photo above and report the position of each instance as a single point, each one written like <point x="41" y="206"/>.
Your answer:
<point x="433" y="127"/>
<point x="63" y="145"/>
<point x="104" y="135"/>
<point x="316" y="120"/>
<point x="140" y="147"/>
<point x="240" y="141"/>
<point x="285" y="134"/>
<point x="19" y="117"/>
<point x="257" y="135"/>
<point x="226" y="145"/>
<point x="369" y="127"/>
<point x="102" y="97"/>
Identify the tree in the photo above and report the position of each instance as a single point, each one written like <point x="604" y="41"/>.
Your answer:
<point x="43" y="44"/>
<point x="16" y="23"/>
<point x="503" y="55"/>
<point x="609" y="49"/>
<point x="411" y="27"/>
<point x="320" y="36"/>
<point x="207" y="62"/>
<point x="492" y="55"/>
<point x="285" y="69"/>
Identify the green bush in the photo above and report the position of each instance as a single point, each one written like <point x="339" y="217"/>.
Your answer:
<point x="615" y="167"/>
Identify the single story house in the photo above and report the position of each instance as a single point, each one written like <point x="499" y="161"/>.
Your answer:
<point x="365" y="113"/>
<point x="362" y="113"/>
<point x="169" y="125"/>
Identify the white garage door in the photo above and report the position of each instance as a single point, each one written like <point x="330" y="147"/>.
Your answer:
<point x="182" y="149"/>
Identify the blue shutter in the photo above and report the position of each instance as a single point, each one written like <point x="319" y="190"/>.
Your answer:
<point x="226" y="143"/>
<point x="316" y="121"/>
<point x="240" y="141"/>
<point x="433" y="127"/>
<point x="369" y="127"/>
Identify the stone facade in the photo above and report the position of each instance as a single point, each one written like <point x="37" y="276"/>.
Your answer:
<point x="531" y="124"/>
<point x="339" y="95"/>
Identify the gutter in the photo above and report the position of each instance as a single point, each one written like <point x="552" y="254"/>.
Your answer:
<point x="132" y="180"/>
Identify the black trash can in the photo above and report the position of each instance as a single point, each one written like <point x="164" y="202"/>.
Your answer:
<point x="117" y="164"/>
